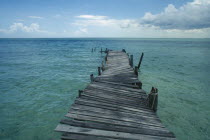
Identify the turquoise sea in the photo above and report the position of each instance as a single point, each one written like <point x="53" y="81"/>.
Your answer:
<point x="40" y="78"/>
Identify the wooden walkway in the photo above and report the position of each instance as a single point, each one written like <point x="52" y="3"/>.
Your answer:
<point x="113" y="107"/>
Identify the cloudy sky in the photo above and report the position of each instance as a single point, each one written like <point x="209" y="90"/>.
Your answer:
<point x="105" y="18"/>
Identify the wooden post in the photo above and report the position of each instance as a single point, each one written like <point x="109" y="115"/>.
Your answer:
<point x="123" y="50"/>
<point x="80" y="92"/>
<point x="139" y="84"/>
<point x="136" y="70"/>
<point x="99" y="70"/>
<point x="91" y="78"/>
<point x="106" y="57"/>
<point x="102" y="67"/>
<point x="131" y="60"/>
<point x="142" y="55"/>
<point x="153" y="99"/>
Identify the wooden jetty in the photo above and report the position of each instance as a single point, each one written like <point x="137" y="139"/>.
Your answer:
<point x="114" y="106"/>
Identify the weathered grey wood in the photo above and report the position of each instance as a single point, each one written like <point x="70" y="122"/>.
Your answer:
<point x="120" y="87"/>
<point x="106" y="109"/>
<point x="113" y="106"/>
<point x="111" y="127"/>
<point x="117" y="117"/>
<point x="123" y="50"/>
<point x="102" y="66"/>
<point x="142" y="55"/>
<point x="136" y="70"/>
<point x="98" y="132"/>
<point x="123" y="80"/>
<point x="99" y="70"/>
<point x="87" y="110"/>
<point x="131" y="60"/>
<point x="116" y="93"/>
<point x="111" y="121"/>
<point x="73" y="136"/>
<point x="120" y="84"/>
<point x="80" y="92"/>
<point x="111" y="100"/>
<point x="109" y="95"/>
<point x="153" y="99"/>
<point x="91" y="78"/>
<point x="115" y="103"/>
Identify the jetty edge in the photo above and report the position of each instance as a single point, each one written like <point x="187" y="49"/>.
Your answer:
<point x="114" y="106"/>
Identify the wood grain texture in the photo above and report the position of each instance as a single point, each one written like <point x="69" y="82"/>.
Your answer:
<point x="113" y="106"/>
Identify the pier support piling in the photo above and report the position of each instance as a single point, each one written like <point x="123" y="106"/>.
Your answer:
<point x="99" y="70"/>
<point x="153" y="99"/>
<point x="123" y="50"/>
<point x="131" y="60"/>
<point x="142" y="55"/>
<point x="136" y="70"/>
<point x="106" y="51"/>
<point x="80" y="92"/>
<point x="102" y="66"/>
<point x="106" y="57"/>
<point x="91" y="78"/>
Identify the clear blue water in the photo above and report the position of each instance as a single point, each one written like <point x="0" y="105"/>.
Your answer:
<point x="40" y="78"/>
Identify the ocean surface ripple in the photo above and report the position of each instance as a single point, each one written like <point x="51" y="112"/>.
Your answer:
<point x="40" y="79"/>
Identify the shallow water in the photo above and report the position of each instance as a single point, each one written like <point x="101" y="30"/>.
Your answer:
<point x="40" y="78"/>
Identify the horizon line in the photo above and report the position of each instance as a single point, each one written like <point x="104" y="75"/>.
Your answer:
<point x="103" y="38"/>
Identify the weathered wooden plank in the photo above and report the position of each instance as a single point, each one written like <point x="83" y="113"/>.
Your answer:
<point x="114" y="107"/>
<point x="112" y="100"/>
<point x="115" y="102"/>
<point x="111" y="121"/>
<point x="101" y="109"/>
<point x="111" y="127"/>
<point x="118" y="93"/>
<point x="109" y="95"/>
<point x="129" y="77"/>
<point x="122" y="81"/>
<point x="117" y="116"/>
<point x="117" y="81"/>
<point x="131" y="90"/>
<point x="98" y="132"/>
<point x="73" y="136"/>
<point x="117" y="70"/>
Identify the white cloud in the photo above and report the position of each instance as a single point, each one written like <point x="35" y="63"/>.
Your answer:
<point x="34" y="27"/>
<point x="92" y="17"/>
<point x="190" y="20"/>
<point x="104" y="26"/>
<point x="192" y="15"/>
<point x="91" y="20"/>
<point x="36" y="17"/>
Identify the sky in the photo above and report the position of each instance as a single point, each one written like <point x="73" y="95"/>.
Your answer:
<point x="105" y="18"/>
